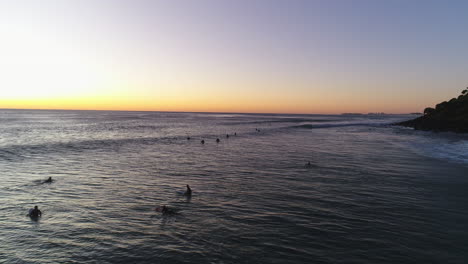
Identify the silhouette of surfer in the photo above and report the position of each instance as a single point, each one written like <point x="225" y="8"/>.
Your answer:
<point x="188" y="192"/>
<point x="165" y="210"/>
<point x="35" y="212"/>
<point x="49" y="180"/>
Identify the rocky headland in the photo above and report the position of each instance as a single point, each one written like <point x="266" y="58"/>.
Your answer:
<point x="447" y="116"/>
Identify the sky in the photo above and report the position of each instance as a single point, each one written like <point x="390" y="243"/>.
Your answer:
<point x="258" y="56"/>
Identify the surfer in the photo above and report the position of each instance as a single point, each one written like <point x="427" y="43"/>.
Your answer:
<point x="165" y="210"/>
<point x="188" y="192"/>
<point x="308" y="165"/>
<point x="202" y="141"/>
<point x="217" y="140"/>
<point x="227" y="135"/>
<point x="35" y="212"/>
<point x="49" y="180"/>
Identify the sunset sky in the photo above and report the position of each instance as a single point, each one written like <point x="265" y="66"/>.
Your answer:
<point x="233" y="56"/>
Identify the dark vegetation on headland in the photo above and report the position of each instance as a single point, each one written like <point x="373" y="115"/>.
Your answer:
<point x="446" y="116"/>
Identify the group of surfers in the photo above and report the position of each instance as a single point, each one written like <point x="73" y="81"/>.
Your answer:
<point x="217" y="140"/>
<point x="165" y="210"/>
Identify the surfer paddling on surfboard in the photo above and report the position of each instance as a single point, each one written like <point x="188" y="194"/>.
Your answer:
<point x="165" y="210"/>
<point x="49" y="180"/>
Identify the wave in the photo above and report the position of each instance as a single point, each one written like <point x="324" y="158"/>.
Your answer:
<point x="285" y="120"/>
<point x="453" y="152"/>
<point x="443" y="146"/>
<point x="315" y="126"/>
<point x="21" y="152"/>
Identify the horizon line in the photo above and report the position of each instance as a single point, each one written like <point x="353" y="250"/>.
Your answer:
<point x="207" y="112"/>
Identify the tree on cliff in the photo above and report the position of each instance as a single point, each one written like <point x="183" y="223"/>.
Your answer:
<point x="429" y="110"/>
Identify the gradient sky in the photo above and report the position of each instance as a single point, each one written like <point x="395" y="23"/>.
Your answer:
<point x="233" y="56"/>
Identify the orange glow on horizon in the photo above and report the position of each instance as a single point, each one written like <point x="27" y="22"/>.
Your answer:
<point x="120" y="103"/>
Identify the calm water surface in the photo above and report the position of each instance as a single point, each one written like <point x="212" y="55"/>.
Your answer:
<point x="373" y="193"/>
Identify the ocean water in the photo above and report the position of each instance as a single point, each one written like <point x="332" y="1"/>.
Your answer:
<point x="374" y="193"/>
